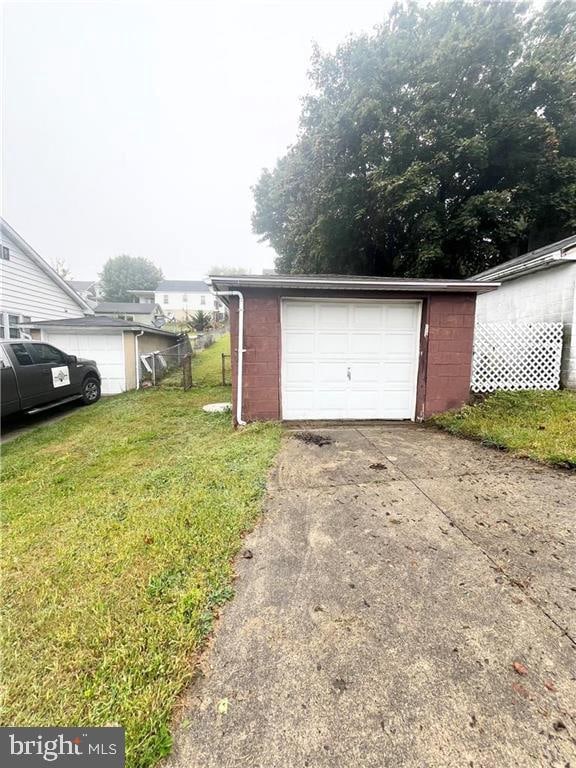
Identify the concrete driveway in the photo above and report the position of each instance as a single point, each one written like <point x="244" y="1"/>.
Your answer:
<point x="397" y="577"/>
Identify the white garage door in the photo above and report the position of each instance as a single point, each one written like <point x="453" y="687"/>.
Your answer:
<point x="105" y="348"/>
<point x="349" y="360"/>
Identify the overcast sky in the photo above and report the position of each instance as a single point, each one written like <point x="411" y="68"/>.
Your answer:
<point x="140" y="127"/>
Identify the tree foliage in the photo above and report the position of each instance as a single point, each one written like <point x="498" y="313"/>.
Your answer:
<point x="127" y="273"/>
<point x="62" y="269"/>
<point x="439" y="146"/>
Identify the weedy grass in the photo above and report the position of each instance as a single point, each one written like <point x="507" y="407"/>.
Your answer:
<point x="540" y="425"/>
<point x="119" y="528"/>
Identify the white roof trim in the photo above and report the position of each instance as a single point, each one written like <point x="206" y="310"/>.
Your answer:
<point x="349" y="284"/>
<point x="544" y="262"/>
<point x="44" y="266"/>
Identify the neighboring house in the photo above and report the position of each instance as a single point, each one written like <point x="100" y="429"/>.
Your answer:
<point x="88" y="289"/>
<point x="182" y="298"/>
<point x="115" y="345"/>
<point x="148" y="314"/>
<point x="539" y="286"/>
<point x="336" y="347"/>
<point x="30" y="289"/>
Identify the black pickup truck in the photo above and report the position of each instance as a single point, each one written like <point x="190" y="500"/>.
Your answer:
<point x="36" y="376"/>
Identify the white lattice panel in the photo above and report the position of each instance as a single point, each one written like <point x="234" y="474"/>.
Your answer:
<point x="520" y="356"/>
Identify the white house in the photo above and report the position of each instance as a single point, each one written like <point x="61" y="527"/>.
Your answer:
<point x="182" y="298"/>
<point x="30" y="289"/>
<point x="539" y="286"/>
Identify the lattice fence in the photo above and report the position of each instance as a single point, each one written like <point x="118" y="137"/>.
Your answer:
<point x="523" y="356"/>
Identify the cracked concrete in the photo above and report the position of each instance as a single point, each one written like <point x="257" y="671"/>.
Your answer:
<point x="380" y="616"/>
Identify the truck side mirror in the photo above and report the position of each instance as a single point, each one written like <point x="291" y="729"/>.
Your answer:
<point x="72" y="359"/>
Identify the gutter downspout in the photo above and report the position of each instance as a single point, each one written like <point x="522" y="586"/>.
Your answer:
<point x="241" y="350"/>
<point x="136" y="337"/>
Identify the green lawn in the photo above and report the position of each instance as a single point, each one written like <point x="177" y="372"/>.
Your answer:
<point x="120" y="523"/>
<point x="540" y="425"/>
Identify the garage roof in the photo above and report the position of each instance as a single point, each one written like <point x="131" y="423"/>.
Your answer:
<point x="101" y="322"/>
<point x="348" y="283"/>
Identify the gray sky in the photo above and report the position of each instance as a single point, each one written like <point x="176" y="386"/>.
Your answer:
<point x="140" y="127"/>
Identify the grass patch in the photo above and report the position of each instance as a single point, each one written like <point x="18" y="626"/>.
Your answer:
<point x="119" y="527"/>
<point x="207" y="366"/>
<point x="540" y="425"/>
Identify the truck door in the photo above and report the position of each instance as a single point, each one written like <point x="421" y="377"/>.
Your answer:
<point x="43" y="373"/>
<point x="8" y="387"/>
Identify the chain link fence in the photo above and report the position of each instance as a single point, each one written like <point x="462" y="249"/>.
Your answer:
<point x="171" y="366"/>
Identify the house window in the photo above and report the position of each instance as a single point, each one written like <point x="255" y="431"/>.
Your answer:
<point x="185" y="299"/>
<point x="5" y="253"/>
<point x="165" y="299"/>
<point x="202" y="300"/>
<point x="13" y="330"/>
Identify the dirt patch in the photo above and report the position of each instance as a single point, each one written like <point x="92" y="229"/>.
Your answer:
<point x="312" y="438"/>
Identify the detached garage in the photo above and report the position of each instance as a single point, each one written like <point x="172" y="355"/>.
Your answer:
<point x="114" y="344"/>
<point x="326" y="347"/>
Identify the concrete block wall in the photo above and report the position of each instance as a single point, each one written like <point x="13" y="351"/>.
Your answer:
<point x="445" y="360"/>
<point x="448" y="353"/>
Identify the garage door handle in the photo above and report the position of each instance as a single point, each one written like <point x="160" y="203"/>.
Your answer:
<point x="349" y="374"/>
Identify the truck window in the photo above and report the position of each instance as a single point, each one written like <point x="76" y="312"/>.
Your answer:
<point x="45" y="354"/>
<point x="21" y="354"/>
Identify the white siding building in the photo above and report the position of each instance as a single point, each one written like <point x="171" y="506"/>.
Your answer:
<point x="30" y="290"/>
<point x="182" y="298"/>
<point x="537" y="287"/>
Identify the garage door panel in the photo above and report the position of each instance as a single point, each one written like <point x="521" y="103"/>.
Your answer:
<point x="398" y="318"/>
<point x="399" y="373"/>
<point x="365" y="373"/>
<point x="299" y="372"/>
<point x="331" y="373"/>
<point x="105" y="349"/>
<point x="349" y="359"/>
<point x="366" y="317"/>
<point x="299" y="315"/>
<point x="330" y="343"/>
<point x="300" y="342"/>
<point x="366" y="344"/>
<point x="332" y="316"/>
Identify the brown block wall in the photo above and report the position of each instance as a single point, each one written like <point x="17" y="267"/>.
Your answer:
<point x="262" y="334"/>
<point x="445" y="355"/>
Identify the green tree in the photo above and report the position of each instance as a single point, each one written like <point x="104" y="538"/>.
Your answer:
<point x="439" y="146"/>
<point x="125" y="273"/>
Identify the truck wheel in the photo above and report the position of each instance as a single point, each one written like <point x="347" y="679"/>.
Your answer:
<point x="90" y="390"/>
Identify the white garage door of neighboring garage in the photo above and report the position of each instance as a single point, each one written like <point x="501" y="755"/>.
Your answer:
<point x="349" y="360"/>
<point x="105" y="348"/>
